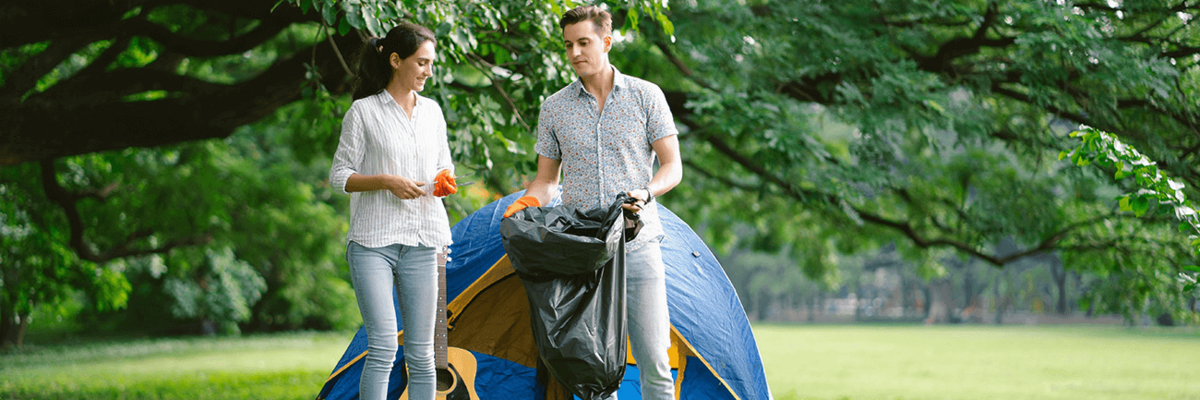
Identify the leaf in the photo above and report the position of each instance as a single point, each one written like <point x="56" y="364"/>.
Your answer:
<point x="935" y="106"/>
<point x="1063" y="154"/>
<point x="1140" y="205"/>
<point x="1192" y="268"/>
<point x="353" y="16"/>
<point x="668" y="27"/>
<point x="373" y="25"/>
<point x="1183" y="212"/>
<point x="631" y="20"/>
<point x="329" y="14"/>
<point x="1124" y="204"/>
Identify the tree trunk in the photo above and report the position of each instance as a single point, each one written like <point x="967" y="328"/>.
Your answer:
<point x="812" y="308"/>
<point x="858" y="303"/>
<point x="22" y="327"/>
<point x="8" y="328"/>
<point x="763" y="303"/>
<point x="969" y="302"/>
<point x="1060" y="280"/>
<point x="928" y="292"/>
<point x="1001" y="300"/>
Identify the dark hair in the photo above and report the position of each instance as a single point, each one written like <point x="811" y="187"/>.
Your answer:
<point x="374" y="67"/>
<point x="601" y="18"/>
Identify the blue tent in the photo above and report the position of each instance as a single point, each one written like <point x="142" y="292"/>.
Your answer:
<point x="713" y="352"/>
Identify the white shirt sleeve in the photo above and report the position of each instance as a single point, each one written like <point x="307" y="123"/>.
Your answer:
<point x="349" y="154"/>
<point x="443" y="161"/>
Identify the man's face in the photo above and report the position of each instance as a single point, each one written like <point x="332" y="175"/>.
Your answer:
<point x="586" y="50"/>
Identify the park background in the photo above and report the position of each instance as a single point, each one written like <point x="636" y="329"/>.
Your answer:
<point x="892" y="186"/>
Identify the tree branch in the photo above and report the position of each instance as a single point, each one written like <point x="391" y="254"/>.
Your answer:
<point x="88" y="90"/>
<point x="26" y="77"/>
<point x="905" y="228"/>
<point x="679" y="65"/>
<point x="964" y="46"/>
<point x="68" y="203"/>
<point x="193" y="47"/>
<point x="37" y="130"/>
<point x="479" y="64"/>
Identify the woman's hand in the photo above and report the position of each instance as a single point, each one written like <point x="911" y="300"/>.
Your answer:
<point x="402" y="187"/>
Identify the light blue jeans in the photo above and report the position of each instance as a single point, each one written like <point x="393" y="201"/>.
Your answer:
<point x="412" y="271"/>
<point x="648" y="320"/>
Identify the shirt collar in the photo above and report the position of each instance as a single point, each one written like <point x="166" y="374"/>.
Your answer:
<point x="618" y="81"/>
<point x="385" y="98"/>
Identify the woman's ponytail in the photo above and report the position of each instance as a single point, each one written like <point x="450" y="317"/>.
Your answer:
<point x="374" y="67"/>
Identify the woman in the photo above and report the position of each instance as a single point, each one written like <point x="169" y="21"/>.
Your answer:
<point x="393" y="142"/>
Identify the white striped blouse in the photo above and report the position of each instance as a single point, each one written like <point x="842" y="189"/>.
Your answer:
<point x="379" y="138"/>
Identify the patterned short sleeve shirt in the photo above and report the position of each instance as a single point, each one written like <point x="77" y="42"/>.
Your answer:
<point x="605" y="153"/>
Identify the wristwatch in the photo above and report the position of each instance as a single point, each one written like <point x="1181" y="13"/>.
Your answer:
<point x="649" y="194"/>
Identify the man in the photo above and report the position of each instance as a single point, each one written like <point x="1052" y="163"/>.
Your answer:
<point x="603" y="131"/>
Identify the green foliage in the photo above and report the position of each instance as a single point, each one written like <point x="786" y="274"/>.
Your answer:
<point x="220" y="290"/>
<point x="854" y="124"/>
<point x="1154" y="187"/>
<point x="494" y="71"/>
<point x="810" y="130"/>
<point x="267" y="229"/>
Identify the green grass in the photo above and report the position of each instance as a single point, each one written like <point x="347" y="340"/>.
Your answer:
<point x="285" y="366"/>
<point x="822" y="362"/>
<point x="980" y="362"/>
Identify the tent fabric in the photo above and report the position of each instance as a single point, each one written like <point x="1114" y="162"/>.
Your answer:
<point x="714" y="354"/>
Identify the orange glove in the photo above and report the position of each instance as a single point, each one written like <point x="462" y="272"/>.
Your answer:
<point x="520" y="204"/>
<point x="444" y="184"/>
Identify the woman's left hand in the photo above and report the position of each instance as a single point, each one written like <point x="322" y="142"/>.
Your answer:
<point x="445" y="184"/>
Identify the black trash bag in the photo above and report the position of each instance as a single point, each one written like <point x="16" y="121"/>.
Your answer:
<point x="572" y="264"/>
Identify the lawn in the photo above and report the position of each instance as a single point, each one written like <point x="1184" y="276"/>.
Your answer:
<point x="980" y="362"/>
<point x="826" y="362"/>
<point x="282" y="366"/>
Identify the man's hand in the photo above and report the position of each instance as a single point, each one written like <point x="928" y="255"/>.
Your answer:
<point x="521" y="204"/>
<point x="402" y="187"/>
<point x="445" y="184"/>
<point x="643" y="196"/>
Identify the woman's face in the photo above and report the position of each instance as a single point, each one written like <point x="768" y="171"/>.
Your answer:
<point x="410" y="73"/>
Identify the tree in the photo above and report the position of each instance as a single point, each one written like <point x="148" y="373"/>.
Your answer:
<point x="955" y="114"/>
<point x="827" y="127"/>
<point x="85" y="86"/>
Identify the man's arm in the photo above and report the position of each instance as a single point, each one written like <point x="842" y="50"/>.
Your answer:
<point x="546" y="179"/>
<point x="538" y="192"/>
<point x="670" y="170"/>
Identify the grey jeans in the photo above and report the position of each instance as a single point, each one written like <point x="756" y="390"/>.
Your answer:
<point x="648" y="320"/>
<point x="412" y="271"/>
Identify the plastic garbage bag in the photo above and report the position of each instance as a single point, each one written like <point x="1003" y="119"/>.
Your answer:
<point x="572" y="264"/>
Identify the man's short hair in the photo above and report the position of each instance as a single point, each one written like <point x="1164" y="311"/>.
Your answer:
<point x="601" y="18"/>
